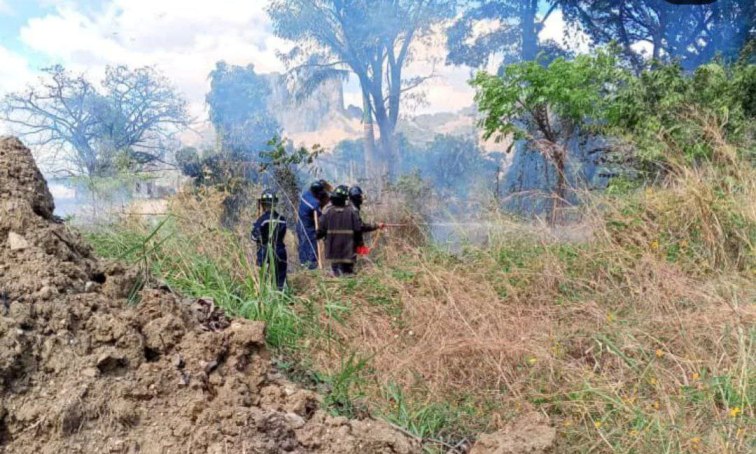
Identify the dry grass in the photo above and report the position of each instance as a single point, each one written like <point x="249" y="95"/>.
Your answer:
<point x="636" y="338"/>
<point x="641" y="339"/>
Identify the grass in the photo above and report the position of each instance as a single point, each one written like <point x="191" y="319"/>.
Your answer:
<point x="640" y="339"/>
<point x="203" y="262"/>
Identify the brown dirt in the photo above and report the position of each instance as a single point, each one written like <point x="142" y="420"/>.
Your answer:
<point x="81" y="371"/>
<point x="531" y="434"/>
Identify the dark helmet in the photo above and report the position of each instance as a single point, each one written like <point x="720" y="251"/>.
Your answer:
<point x="268" y="197"/>
<point x="340" y="195"/>
<point x="356" y="195"/>
<point x="319" y="188"/>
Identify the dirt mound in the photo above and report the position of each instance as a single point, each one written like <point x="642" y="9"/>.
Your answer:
<point x="530" y="434"/>
<point x="82" y="371"/>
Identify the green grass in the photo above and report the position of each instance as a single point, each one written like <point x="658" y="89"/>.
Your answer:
<point x="160" y="252"/>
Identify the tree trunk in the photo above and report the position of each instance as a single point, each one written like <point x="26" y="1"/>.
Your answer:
<point x="559" y="160"/>
<point x="529" y="35"/>
<point x="389" y="154"/>
<point x="369" y="138"/>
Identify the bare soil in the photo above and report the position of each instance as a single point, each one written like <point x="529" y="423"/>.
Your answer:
<point x="82" y="371"/>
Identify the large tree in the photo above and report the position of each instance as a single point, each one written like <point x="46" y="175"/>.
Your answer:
<point x="238" y="103"/>
<point x="369" y="38"/>
<point x="507" y="29"/>
<point x="133" y="114"/>
<point x="694" y="34"/>
<point x="547" y="105"/>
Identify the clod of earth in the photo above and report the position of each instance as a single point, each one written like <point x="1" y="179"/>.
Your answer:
<point x="81" y="371"/>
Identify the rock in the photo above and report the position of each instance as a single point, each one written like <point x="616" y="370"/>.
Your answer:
<point x="17" y="242"/>
<point x="529" y="434"/>
<point x="90" y="372"/>
<point x="295" y="421"/>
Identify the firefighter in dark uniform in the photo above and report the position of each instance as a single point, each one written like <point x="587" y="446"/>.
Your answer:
<point x="357" y="197"/>
<point x="310" y="208"/>
<point x="342" y="229"/>
<point x="269" y="232"/>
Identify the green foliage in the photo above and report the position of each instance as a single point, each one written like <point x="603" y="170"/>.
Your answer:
<point x="519" y="101"/>
<point x="438" y="423"/>
<point x="344" y="388"/>
<point x="665" y="111"/>
<point x="665" y="106"/>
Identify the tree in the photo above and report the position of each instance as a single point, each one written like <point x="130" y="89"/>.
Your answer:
<point x="693" y="34"/>
<point x="133" y="114"/>
<point x="369" y="38"/>
<point x="510" y="29"/>
<point x="546" y="105"/>
<point x="238" y="102"/>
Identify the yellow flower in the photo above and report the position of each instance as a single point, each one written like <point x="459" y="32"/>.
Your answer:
<point x="659" y="353"/>
<point x="597" y="424"/>
<point x="609" y="318"/>
<point x="695" y="440"/>
<point x="633" y="433"/>
<point x="655" y="245"/>
<point x="532" y="361"/>
<point x="695" y="376"/>
<point x="652" y="381"/>
<point x="735" y="412"/>
<point x="656" y="405"/>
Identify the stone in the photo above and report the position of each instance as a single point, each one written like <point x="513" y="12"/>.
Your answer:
<point x="17" y="242"/>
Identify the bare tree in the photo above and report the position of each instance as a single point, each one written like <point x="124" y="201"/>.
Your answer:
<point x="132" y="115"/>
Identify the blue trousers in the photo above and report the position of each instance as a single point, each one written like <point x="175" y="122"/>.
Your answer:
<point x="279" y="262"/>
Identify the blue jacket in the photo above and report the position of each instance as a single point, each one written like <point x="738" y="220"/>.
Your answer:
<point x="309" y="207"/>
<point x="270" y="229"/>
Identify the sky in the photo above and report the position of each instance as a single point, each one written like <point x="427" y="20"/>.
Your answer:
<point x="182" y="38"/>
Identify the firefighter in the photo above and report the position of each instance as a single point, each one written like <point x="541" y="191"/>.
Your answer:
<point x="357" y="197"/>
<point x="310" y="209"/>
<point x="269" y="232"/>
<point x="341" y="227"/>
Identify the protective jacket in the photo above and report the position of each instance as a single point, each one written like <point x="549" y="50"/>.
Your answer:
<point x="366" y="228"/>
<point x="269" y="233"/>
<point x="309" y="209"/>
<point x="341" y="227"/>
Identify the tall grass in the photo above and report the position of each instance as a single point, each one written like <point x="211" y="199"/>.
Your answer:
<point x="183" y="251"/>
<point x="639" y="339"/>
<point x="637" y="336"/>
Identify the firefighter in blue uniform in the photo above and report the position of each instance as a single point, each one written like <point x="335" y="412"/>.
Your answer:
<point x="269" y="232"/>
<point x="310" y="208"/>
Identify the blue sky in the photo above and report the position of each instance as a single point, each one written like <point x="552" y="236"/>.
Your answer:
<point x="183" y="38"/>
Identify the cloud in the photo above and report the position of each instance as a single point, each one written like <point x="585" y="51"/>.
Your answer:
<point x="5" y="8"/>
<point x="569" y="36"/>
<point x="14" y="74"/>
<point x="14" y="70"/>
<point x="183" y="38"/>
